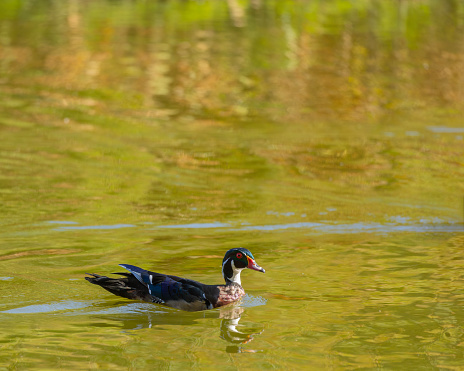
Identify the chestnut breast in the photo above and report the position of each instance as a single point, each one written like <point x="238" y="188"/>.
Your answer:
<point x="229" y="293"/>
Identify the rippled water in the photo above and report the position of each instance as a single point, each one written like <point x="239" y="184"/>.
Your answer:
<point x="324" y="136"/>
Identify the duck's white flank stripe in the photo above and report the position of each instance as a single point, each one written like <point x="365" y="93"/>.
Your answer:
<point x="138" y="276"/>
<point x="225" y="263"/>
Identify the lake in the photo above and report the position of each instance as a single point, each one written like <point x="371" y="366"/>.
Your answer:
<point x="325" y="136"/>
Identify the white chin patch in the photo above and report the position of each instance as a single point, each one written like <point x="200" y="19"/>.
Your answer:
<point x="236" y="274"/>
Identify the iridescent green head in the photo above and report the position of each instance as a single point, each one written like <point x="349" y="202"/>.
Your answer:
<point x="235" y="260"/>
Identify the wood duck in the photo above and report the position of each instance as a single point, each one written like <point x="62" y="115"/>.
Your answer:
<point x="181" y="293"/>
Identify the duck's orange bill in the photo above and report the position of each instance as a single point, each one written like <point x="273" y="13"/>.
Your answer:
<point x="254" y="266"/>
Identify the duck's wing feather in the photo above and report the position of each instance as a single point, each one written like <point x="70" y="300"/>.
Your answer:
<point x="171" y="290"/>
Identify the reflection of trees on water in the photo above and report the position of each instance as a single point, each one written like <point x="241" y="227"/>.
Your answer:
<point x="279" y="59"/>
<point x="284" y="67"/>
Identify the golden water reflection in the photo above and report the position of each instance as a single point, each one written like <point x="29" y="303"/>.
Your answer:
<point x="325" y="136"/>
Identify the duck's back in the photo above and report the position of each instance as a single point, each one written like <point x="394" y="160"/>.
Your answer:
<point x="173" y="291"/>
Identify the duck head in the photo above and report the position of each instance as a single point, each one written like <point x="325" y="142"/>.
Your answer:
<point x="235" y="261"/>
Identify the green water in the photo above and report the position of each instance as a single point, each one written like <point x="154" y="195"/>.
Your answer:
<point x="327" y="137"/>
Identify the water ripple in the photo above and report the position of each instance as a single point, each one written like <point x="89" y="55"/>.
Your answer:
<point x="197" y="225"/>
<point x="398" y="225"/>
<point x="360" y="227"/>
<point x="445" y="129"/>
<point x="114" y="226"/>
<point x="47" y="308"/>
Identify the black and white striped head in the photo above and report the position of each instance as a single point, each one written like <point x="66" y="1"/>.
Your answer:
<point x="235" y="261"/>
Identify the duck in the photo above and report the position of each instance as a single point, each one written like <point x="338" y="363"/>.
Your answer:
<point x="177" y="292"/>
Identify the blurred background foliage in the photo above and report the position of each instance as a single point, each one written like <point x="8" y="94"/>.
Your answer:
<point x="299" y="60"/>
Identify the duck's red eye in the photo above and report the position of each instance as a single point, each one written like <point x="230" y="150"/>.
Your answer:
<point x="239" y="255"/>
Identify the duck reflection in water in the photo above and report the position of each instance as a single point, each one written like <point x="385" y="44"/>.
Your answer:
<point x="138" y="316"/>
<point x="229" y="332"/>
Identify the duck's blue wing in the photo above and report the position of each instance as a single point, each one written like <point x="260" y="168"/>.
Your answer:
<point x="171" y="290"/>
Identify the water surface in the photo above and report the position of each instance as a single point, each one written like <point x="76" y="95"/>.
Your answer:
<point x="325" y="136"/>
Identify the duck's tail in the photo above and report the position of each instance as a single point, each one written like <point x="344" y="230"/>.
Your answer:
<point x="127" y="287"/>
